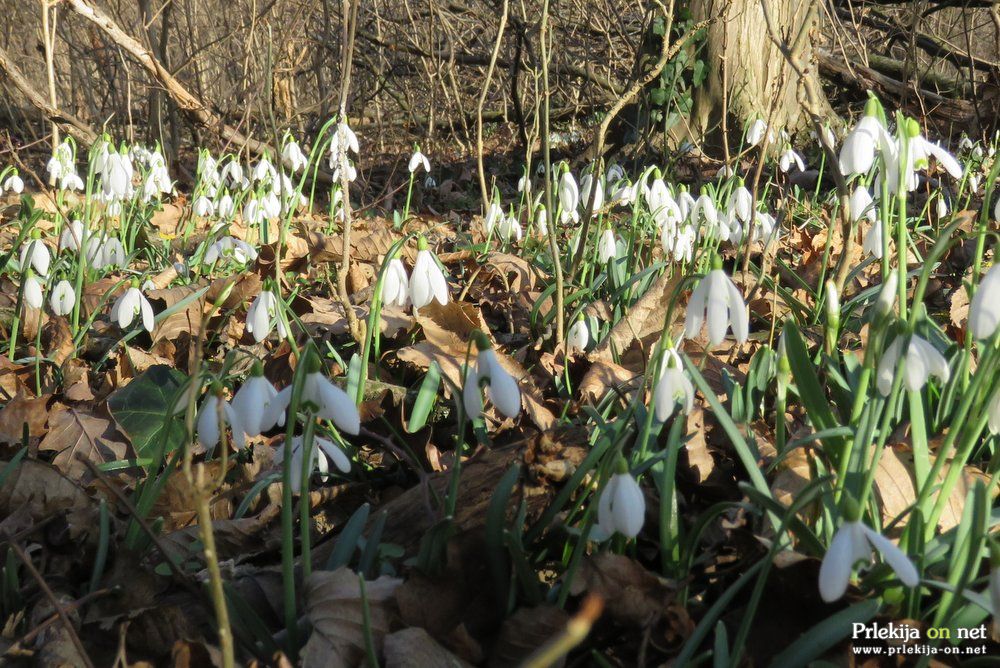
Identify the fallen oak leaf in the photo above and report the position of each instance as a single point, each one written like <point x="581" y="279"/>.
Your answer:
<point x="20" y="411"/>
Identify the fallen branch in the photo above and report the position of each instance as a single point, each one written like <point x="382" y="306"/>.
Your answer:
<point x="80" y="131"/>
<point x="187" y="102"/>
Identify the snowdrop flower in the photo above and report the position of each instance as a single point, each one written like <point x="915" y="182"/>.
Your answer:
<point x="542" y="221"/>
<point x="578" y="336"/>
<point x="862" y="206"/>
<point x="322" y="451"/>
<point x="717" y="300"/>
<point x="225" y="207"/>
<point x="33" y="292"/>
<point x="569" y="196"/>
<point x="131" y="304"/>
<point x="71" y="181"/>
<point x="756" y="132"/>
<point x="427" y="282"/>
<point x="607" y="248"/>
<point x="253" y="400"/>
<point x="501" y="388"/>
<point x="673" y="387"/>
<point x="678" y="242"/>
<point x="523" y="183"/>
<point x="921" y="361"/>
<point x="417" y="160"/>
<point x="984" y="310"/>
<point x="858" y="151"/>
<point x="494" y="214"/>
<point x="974" y="185"/>
<point x="704" y="211"/>
<point x="292" y="155"/>
<point x="394" y="284"/>
<point x="941" y="207"/>
<point x="209" y="427"/>
<point x="887" y="296"/>
<point x="262" y="317"/>
<point x="72" y="236"/>
<point x="993" y="411"/>
<point x="264" y="171"/>
<point x="686" y="203"/>
<point x="430" y="183"/>
<point x="614" y="173"/>
<point x="232" y="172"/>
<point x="36" y="255"/>
<point x="788" y="158"/>
<point x="112" y="253"/>
<point x="586" y="183"/>
<point x="344" y="140"/>
<point x="828" y="137"/>
<point x="14" y="183"/>
<point x="63" y="298"/>
<point x="509" y="228"/>
<point x="621" y="507"/>
<point x="741" y="204"/>
<point x="326" y="401"/>
<point x="227" y="246"/>
<point x="852" y="543"/>
<point x="116" y="180"/>
<point x="203" y="207"/>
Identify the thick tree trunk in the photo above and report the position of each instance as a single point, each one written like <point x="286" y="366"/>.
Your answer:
<point x="748" y="77"/>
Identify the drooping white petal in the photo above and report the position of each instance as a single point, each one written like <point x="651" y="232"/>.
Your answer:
<point x="984" y="310"/>
<point x="838" y="562"/>
<point x="887" y="366"/>
<point x="893" y="556"/>
<point x="628" y="506"/>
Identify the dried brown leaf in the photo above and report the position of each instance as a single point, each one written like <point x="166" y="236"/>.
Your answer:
<point x="74" y="433"/>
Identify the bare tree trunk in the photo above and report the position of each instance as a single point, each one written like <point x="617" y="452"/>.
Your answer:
<point x="747" y="76"/>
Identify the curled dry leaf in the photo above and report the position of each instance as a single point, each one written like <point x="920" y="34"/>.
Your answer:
<point x="335" y="609"/>
<point x="524" y="632"/>
<point x="44" y="491"/>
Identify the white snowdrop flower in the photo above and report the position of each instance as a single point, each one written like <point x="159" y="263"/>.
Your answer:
<point x="788" y="158"/>
<point x="586" y="183"/>
<point x="857" y="154"/>
<point x="993" y="411"/>
<point x="974" y="186"/>
<point x="347" y="168"/>
<point x="494" y="214"/>
<point x="984" y="310"/>
<point x="872" y="243"/>
<point x="264" y="171"/>
<point x="209" y="428"/>
<point x="253" y="212"/>
<point x="418" y="160"/>
<point x="678" y="242"/>
<point x="226" y="207"/>
<point x="427" y="282"/>
<point x="862" y="205"/>
<point x="578" y="336"/>
<point x="252" y="402"/>
<point x="131" y="304"/>
<point x="887" y="295"/>
<point x="686" y="203"/>
<point x="33" y="292"/>
<point x="717" y="300"/>
<point x="673" y="387"/>
<point x="326" y="400"/>
<point x="232" y="172"/>
<point x="71" y="181"/>
<point x="756" y="132"/>
<point x="523" y="183"/>
<point x="54" y="169"/>
<point x="395" y="291"/>
<point x="510" y="229"/>
<point x="501" y="388"/>
<point x="921" y="150"/>
<point x="63" y="298"/>
<point x="112" y="253"/>
<point x="323" y="452"/>
<point x="72" y="236"/>
<point x="262" y="317"/>
<point x="964" y="144"/>
<point x="941" y="207"/>
<point x="667" y="213"/>
<point x="614" y="173"/>
<point x="542" y="221"/>
<point x="293" y="156"/>
<point x="203" y="207"/>
<point x="13" y="183"/>
<point x="705" y="212"/>
<point x="116" y="180"/>
<point x="921" y="361"/>
<point x="741" y="203"/>
<point x="35" y="254"/>
<point x="855" y="542"/>
<point x="621" y="508"/>
<point x="228" y="247"/>
<point x="569" y="195"/>
<point x="430" y="183"/>
<point x="829" y="138"/>
<point x="344" y="140"/>
<point x="607" y="247"/>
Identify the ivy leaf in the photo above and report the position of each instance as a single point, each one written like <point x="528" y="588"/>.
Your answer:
<point x="140" y="409"/>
